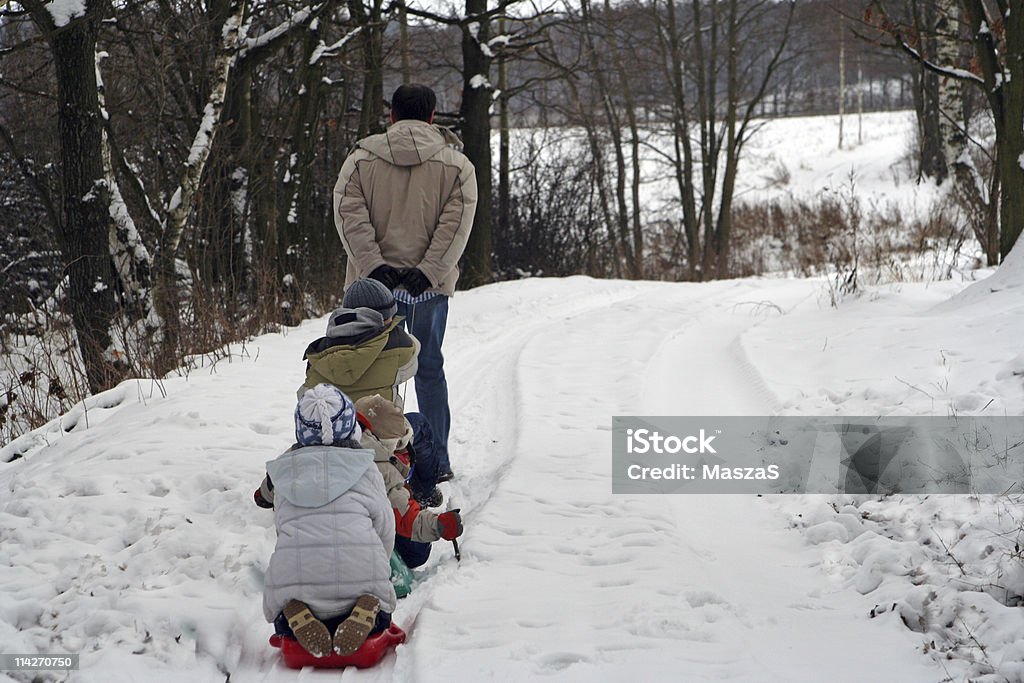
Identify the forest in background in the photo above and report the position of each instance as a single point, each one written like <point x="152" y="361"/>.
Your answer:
<point x="167" y="168"/>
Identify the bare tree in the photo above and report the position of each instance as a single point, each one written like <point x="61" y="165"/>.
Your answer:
<point x="996" y="40"/>
<point x="749" y="41"/>
<point x="479" y="49"/>
<point x="84" y="222"/>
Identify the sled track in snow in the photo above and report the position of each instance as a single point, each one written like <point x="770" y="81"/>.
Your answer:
<point x="485" y="402"/>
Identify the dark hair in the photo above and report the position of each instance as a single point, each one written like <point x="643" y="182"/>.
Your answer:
<point x="413" y="101"/>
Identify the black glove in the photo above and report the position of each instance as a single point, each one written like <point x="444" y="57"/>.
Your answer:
<point x="387" y="276"/>
<point x="415" y="281"/>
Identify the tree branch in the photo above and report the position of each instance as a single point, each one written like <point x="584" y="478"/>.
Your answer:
<point x="42" y="190"/>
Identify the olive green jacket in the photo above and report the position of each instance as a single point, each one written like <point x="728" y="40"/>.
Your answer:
<point x="365" y="366"/>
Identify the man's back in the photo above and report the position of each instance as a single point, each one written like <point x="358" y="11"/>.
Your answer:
<point x="406" y="197"/>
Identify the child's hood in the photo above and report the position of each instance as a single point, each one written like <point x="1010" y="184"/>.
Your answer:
<point x="346" y="363"/>
<point x="313" y="476"/>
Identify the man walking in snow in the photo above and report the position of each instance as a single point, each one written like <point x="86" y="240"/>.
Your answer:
<point x="403" y="206"/>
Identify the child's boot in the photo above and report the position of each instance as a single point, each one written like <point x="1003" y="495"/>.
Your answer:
<point x="352" y="632"/>
<point x="309" y="631"/>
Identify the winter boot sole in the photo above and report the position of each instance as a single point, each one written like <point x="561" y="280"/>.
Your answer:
<point x="352" y="632"/>
<point x="309" y="631"/>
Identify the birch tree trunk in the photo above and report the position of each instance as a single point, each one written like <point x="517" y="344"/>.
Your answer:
<point x="179" y="208"/>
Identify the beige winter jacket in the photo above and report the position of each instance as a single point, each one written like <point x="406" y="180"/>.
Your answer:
<point x="406" y="198"/>
<point x="411" y="521"/>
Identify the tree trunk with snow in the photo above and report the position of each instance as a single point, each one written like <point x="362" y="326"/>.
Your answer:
<point x="132" y="261"/>
<point x="86" y="224"/>
<point x="967" y="182"/>
<point x="475" y="114"/>
<point x="1002" y="72"/>
<point x="180" y="206"/>
<point x="504" y="144"/>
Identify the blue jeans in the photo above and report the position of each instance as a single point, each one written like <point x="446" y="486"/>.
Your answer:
<point x="426" y="466"/>
<point x="427" y="321"/>
<point x="413" y="553"/>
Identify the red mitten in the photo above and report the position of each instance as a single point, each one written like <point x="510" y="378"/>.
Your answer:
<point x="449" y="525"/>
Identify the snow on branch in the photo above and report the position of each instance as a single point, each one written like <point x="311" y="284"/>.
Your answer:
<point x="322" y="50"/>
<point x="180" y="205"/>
<point x="63" y="11"/>
<point x="951" y="72"/>
<point x="264" y="39"/>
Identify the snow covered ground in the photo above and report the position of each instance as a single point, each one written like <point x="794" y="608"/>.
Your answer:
<point x="128" y="533"/>
<point x="797" y="157"/>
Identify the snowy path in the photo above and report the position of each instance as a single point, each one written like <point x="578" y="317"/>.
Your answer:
<point x="560" y="578"/>
<point x="156" y="559"/>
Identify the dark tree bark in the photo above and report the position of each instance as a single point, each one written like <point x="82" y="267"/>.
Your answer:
<point x="477" y="93"/>
<point x="84" y="231"/>
<point x="931" y="149"/>
<point x="371" y="117"/>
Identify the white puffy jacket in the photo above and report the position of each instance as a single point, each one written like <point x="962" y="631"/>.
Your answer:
<point x="335" y="532"/>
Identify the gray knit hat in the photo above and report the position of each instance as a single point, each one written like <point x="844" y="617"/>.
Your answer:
<point x="368" y="293"/>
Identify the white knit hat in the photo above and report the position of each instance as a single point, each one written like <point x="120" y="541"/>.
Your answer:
<point x="325" y="416"/>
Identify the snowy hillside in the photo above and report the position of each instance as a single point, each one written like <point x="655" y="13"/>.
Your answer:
<point x="128" y="533"/>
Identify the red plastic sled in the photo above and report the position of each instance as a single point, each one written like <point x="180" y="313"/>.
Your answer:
<point x="369" y="653"/>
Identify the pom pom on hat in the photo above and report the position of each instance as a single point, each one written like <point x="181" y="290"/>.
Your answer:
<point x="325" y="416"/>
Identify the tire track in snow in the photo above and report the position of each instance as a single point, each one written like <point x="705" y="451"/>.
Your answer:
<point x="551" y="534"/>
<point x="564" y="580"/>
<point x="482" y="362"/>
<point x="757" y="578"/>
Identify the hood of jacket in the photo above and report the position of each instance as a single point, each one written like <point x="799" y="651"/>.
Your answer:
<point x="313" y="476"/>
<point x="350" y="324"/>
<point x="410" y="142"/>
<point x="346" y="360"/>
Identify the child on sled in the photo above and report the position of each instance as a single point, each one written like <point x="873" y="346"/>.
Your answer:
<point x="403" y="456"/>
<point x="335" y="531"/>
<point x="365" y="354"/>
<point x="364" y="351"/>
